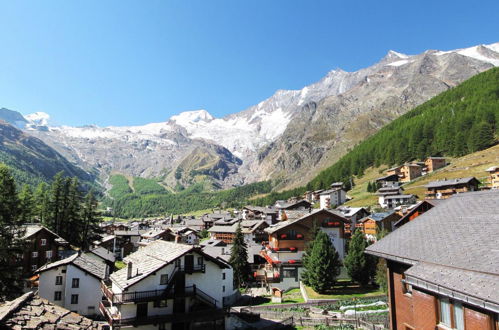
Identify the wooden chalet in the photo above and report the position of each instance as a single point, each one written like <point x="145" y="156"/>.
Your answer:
<point x="446" y="188"/>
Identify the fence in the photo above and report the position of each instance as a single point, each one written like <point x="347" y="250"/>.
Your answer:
<point x="329" y="322"/>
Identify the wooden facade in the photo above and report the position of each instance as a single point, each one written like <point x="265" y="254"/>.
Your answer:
<point x="41" y="247"/>
<point x="434" y="163"/>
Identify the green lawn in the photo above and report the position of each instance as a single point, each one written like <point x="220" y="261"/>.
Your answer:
<point x="345" y="292"/>
<point x="119" y="264"/>
<point x="292" y="296"/>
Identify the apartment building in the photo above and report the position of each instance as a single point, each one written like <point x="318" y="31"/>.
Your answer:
<point x="169" y="285"/>
<point x="73" y="283"/>
<point x="441" y="274"/>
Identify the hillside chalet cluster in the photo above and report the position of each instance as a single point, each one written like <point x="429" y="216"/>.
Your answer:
<point x="172" y="279"/>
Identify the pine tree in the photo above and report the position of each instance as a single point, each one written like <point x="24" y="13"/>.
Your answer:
<point x="26" y="205"/>
<point x="55" y="204"/>
<point x="380" y="276"/>
<point x="369" y="187"/>
<point x="360" y="266"/>
<point x="73" y="226"/>
<point x="11" y="231"/>
<point x="41" y="202"/>
<point x="308" y="252"/>
<point x="90" y="219"/>
<point x="239" y="259"/>
<point x="481" y="136"/>
<point x="323" y="264"/>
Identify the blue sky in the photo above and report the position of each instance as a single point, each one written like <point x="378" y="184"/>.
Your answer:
<point x="134" y="62"/>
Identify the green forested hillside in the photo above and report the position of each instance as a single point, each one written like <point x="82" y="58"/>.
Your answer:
<point x="147" y="199"/>
<point x="32" y="161"/>
<point x="459" y="121"/>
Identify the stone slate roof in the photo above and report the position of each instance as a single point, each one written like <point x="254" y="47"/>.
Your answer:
<point x="451" y="182"/>
<point x="458" y="237"/>
<point x="127" y="233"/>
<point x="151" y="258"/>
<point x="32" y="312"/>
<point x="379" y="216"/>
<point x="399" y="197"/>
<point x="104" y="254"/>
<point x="31" y="229"/>
<point x="261" y="209"/>
<point x="492" y="169"/>
<point x="223" y="229"/>
<point x="91" y="266"/>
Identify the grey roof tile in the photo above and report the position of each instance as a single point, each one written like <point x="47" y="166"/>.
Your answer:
<point x="459" y="233"/>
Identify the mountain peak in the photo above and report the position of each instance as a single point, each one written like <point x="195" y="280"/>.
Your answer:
<point x="393" y="55"/>
<point x="38" y="119"/>
<point x="190" y="117"/>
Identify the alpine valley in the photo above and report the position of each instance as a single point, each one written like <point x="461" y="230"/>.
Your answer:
<point x="287" y="138"/>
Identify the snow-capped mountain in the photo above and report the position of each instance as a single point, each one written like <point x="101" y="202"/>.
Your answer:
<point x="294" y="133"/>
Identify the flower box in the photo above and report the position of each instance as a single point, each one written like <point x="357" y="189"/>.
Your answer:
<point x="299" y="236"/>
<point x="284" y="236"/>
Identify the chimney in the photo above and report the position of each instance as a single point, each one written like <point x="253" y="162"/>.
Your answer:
<point x="129" y="271"/>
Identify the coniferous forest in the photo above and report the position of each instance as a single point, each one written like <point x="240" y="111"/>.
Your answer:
<point x="459" y="121"/>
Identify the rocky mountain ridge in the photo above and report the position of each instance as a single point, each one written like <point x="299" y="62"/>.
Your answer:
<point x="289" y="136"/>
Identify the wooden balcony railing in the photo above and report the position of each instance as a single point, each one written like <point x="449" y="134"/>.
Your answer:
<point x="144" y="296"/>
<point x="198" y="316"/>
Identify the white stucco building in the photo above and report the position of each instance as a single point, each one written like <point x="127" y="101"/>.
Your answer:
<point x="332" y="198"/>
<point x="169" y="285"/>
<point x="73" y="283"/>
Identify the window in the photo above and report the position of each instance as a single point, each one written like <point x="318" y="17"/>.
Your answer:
<point x="160" y="303"/>
<point x="223" y="288"/>
<point x="74" y="299"/>
<point x="445" y="312"/>
<point x="43" y="242"/>
<point x="34" y="267"/>
<point x="75" y="283"/>
<point x="289" y="273"/>
<point x="58" y="280"/>
<point x="162" y="326"/>
<point x="34" y="254"/>
<point x="406" y="287"/>
<point x="48" y="254"/>
<point x="57" y="295"/>
<point x="91" y="310"/>
<point x="458" y="316"/>
<point x="163" y="279"/>
<point x="63" y="271"/>
<point x="223" y="276"/>
<point x="200" y="261"/>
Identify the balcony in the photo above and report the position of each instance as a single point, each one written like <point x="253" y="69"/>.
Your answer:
<point x="144" y="296"/>
<point x="193" y="316"/>
<point x="210" y="312"/>
<point x="297" y="237"/>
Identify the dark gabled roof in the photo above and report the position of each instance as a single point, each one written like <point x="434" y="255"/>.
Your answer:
<point x="287" y="205"/>
<point x="413" y="210"/>
<point x="451" y="182"/>
<point x="260" y="209"/>
<point x="283" y="224"/>
<point x="390" y="176"/>
<point x="85" y="263"/>
<point x="457" y="237"/>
